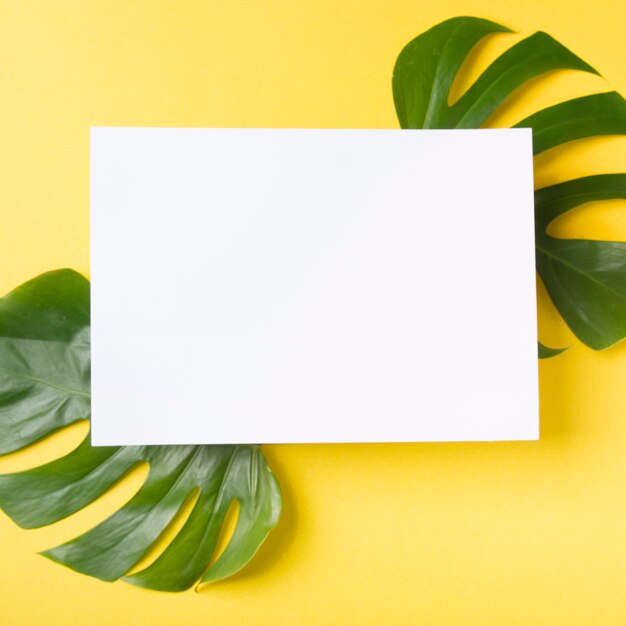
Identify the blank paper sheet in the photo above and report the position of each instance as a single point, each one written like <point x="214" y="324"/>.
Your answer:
<point x="268" y="286"/>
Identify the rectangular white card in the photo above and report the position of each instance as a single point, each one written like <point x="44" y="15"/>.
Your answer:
<point x="260" y="286"/>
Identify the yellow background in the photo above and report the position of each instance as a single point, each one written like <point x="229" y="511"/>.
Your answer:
<point x="498" y="534"/>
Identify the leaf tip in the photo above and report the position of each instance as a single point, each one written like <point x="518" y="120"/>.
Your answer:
<point x="546" y="352"/>
<point x="578" y="64"/>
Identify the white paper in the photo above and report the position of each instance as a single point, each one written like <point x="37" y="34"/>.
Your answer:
<point x="259" y="286"/>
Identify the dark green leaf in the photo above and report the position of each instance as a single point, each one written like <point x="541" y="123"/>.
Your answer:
<point x="427" y="66"/>
<point x="547" y="353"/>
<point x="532" y="57"/>
<point x="589" y="116"/>
<point x="585" y="279"/>
<point x="44" y="378"/>
<point x="44" y="358"/>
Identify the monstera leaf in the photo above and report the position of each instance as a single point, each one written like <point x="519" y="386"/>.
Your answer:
<point x="585" y="279"/>
<point x="44" y="386"/>
<point x="45" y="348"/>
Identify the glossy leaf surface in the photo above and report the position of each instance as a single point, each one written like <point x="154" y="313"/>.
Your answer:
<point x="44" y="385"/>
<point x="585" y="279"/>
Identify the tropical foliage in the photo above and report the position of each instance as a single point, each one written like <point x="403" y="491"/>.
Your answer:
<point x="45" y="342"/>
<point x="44" y="386"/>
<point x="585" y="279"/>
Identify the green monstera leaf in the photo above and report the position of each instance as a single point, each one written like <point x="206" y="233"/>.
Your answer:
<point x="44" y="386"/>
<point x="45" y="347"/>
<point x="585" y="279"/>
